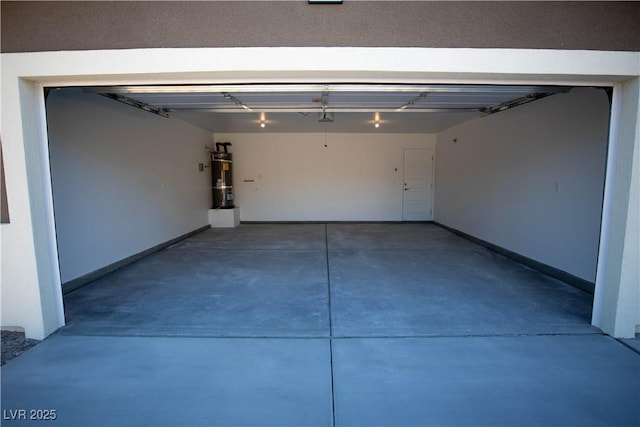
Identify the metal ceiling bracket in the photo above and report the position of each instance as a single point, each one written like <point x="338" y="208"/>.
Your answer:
<point x="236" y="101"/>
<point x="325" y="117"/>
<point x="514" y="103"/>
<point x="412" y="101"/>
<point x="137" y="104"/>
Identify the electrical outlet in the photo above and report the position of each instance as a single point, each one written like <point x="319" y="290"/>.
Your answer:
<point x="201" y="167"/>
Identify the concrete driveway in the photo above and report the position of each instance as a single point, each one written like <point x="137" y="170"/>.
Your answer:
<point x="326" y="325"/>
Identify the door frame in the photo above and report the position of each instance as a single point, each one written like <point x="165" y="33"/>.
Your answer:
<point x="431" y="183"/>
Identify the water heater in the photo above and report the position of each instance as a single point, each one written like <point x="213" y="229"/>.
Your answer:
<point x="222" y="174"/>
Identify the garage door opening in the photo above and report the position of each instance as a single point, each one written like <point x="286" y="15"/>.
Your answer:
<point x="527" y="180"/>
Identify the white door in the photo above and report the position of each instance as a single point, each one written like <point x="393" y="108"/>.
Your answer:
<point x="418" y="185"/>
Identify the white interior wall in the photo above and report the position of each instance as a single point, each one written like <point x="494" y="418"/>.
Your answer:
<point x="320" y="176"/>
<point x="124" y="180"/>
<point x="530" y="179"/>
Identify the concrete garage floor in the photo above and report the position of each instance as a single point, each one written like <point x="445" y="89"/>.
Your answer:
<point x="321" y="325"/>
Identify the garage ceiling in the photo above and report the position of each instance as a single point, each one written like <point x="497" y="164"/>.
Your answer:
<point x="325" y="107"/>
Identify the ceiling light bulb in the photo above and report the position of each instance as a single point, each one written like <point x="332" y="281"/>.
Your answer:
<point x="377" y="125"/>
<point x="262" y="125"/>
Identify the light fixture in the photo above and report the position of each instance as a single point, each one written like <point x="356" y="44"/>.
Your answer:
<point x="376" y="120"/>
<point x="263" y="120"/>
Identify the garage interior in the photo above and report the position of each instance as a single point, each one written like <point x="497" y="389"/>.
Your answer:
<point x="328" y="305"/>
<point x="325" y="306"/>
<point x="517" y="167"/>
